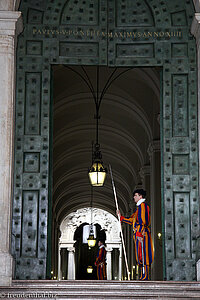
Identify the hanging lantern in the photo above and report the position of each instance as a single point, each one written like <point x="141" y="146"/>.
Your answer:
<point x="97" y="172"/>
<point x="89" y="269"/>
<point x="91" y="241"/>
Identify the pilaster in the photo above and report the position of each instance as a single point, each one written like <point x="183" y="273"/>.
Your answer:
<point x="71" y="263"/>
<point x="8" y="30"/>
<point x="109" y="263"/>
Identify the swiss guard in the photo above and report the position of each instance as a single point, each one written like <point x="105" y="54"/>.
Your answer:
<point x="100" y="262"/>
<point x="140" y="220"/>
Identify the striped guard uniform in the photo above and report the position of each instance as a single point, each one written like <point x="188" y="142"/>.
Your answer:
<point x="140" y="220"/>
<point x="101" y="263"/>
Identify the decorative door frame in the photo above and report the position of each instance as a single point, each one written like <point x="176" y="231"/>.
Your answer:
<point x="106" y="33"/>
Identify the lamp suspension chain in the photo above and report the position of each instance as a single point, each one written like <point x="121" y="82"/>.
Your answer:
<point x="97" y="172"/>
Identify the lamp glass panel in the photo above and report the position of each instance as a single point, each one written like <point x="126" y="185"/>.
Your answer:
<point x="91" y="240"/>
<point x="96" y="176"/>
<point x="89" y="269"/>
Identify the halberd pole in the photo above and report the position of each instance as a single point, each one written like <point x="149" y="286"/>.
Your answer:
<point x="142" y="257"/>
<point x="117" y="208"/>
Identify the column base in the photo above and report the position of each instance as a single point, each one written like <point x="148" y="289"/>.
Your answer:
<point x="6" y="269"/>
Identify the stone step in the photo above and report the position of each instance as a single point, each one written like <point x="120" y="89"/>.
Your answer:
<point x="93" y="289"/>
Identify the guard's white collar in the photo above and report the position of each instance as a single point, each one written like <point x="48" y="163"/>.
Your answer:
<point x="140" y="201"/>
<point x="101" y="246"/>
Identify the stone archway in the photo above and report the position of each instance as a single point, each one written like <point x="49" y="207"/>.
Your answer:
<point x="31" y="46"/>
<point x="10" y="91"/>
<point x="71" y="222"/>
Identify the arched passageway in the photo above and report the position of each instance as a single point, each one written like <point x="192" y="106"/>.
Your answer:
<point x="129" y="135"/>
<point x="72" y="262"/>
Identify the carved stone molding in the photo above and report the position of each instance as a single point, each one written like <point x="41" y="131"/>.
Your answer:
<point x="107" y="221"/>
<point x="145" y="170"/>
<point x="10" y="23"/>
<point x="154" y="146"/>
<point x="71" y="249"/>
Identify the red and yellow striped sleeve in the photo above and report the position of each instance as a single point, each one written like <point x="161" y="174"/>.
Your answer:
<point x="127" y="220"/>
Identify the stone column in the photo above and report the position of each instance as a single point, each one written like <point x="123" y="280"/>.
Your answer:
<point x="155" y="204"/>
<point x="109" y="263"/>
<point x="59" y="263"/>
<point x="120" y="262"/>
<point x="195" y="30"/>
<point x="8" y="26"/>
<point x="71" y="263"/>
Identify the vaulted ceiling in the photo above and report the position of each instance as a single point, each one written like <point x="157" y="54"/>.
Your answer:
<point x="129" y="122"/>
